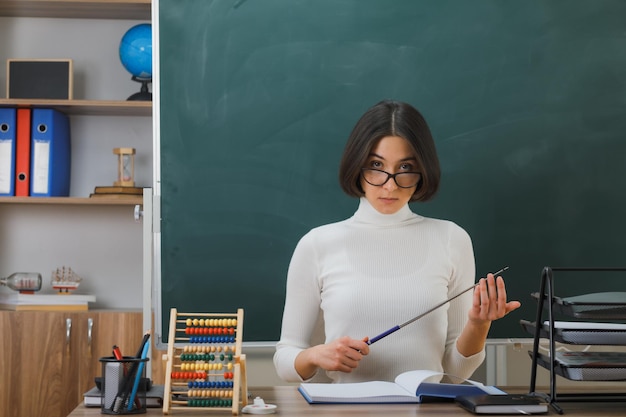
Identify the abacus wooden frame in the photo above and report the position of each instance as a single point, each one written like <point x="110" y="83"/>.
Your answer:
<point x="240" y="385"/>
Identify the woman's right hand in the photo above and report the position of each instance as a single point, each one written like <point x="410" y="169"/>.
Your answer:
<point x="343" y="355"/>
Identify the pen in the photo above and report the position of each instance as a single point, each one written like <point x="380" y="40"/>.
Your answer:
<point x="398" y="327"/>
<point x="117" y="353"/>
<point x="146" y="336"/>
<point x="142" y="347"/>
<point x="133" y="398"/>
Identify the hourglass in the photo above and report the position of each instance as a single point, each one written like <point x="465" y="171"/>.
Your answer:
<point x="125" y="167"/>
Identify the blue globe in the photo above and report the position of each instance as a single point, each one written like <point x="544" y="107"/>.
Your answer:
<point x="136" y="50"/>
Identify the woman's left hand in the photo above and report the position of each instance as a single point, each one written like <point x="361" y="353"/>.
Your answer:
<point x="489" y="304"/>
<point x="490" y="301"/>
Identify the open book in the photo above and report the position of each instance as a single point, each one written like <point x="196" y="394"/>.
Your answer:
<point x="408" y="387"/>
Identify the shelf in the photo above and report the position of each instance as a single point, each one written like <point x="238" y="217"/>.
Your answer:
<point x="82" y="9"/>
<point x="73" y="201"/>
<point x="602" y="305"/>
<point x="580" y="333"/>
<point x="587" y="366"/>
<point x="86" y="107"/>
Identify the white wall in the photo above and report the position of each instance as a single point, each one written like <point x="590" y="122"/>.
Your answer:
<point x="92" y="44"/>
<point x="102" y="244"/>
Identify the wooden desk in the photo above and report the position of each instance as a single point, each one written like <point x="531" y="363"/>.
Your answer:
<point x="291" y="404"/>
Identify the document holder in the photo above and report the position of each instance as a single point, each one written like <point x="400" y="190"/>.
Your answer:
<point x="606" y="309"/>
<point x="123" y="385"/>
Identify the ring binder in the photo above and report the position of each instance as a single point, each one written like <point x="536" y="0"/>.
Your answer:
<point x="51" y="157"/>
<point x="7" y="151"/>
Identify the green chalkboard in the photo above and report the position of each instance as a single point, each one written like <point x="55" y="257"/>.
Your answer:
<point x="526" y="100"/>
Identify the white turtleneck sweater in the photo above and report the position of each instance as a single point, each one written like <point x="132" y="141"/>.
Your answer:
<point x="371" y="272"/>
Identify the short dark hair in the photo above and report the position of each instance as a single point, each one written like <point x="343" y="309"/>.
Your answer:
<point x="390" y="118"/>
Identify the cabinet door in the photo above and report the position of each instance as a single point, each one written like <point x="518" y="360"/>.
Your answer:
<point x="47" y="383"/>
<point x="10" y="359"/>
<point x="86" y="354"/>
<point x="48" y="359"/>
<point x="99" y="332"/>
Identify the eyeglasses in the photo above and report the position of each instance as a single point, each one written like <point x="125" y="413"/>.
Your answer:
<point x="377" y="178"/>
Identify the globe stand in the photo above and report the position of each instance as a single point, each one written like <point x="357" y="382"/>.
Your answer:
<point x="144" y="94"/>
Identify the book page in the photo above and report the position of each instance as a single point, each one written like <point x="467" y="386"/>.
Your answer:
<point x="358" y="390"/>
<point x="412" y="379"/>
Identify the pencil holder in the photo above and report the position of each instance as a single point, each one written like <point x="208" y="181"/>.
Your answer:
<point x="124" y="385"/>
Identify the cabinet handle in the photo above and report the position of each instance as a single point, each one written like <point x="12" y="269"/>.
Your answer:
<point x="138" y="213"/>
<point x="89" y="335"/>
<point x="68" y="334"/>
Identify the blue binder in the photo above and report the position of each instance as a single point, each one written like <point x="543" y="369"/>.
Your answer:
<point x="50" y="154"/>
<point x="7" y="151"/>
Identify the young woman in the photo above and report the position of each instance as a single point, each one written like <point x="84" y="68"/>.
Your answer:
<point x="354" y="279"/>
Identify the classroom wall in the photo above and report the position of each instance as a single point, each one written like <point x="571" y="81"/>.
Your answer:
<point x="105" y="243"/>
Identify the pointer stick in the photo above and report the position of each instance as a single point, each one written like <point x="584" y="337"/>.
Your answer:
<point x="398" y="327"/>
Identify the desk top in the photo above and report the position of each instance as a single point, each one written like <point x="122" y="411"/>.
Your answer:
<point x="291" y="404"/>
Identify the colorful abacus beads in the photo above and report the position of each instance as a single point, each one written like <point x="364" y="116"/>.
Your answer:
<point x="211" y="322"/>
<point x="210" y="403"/>
<point x="189" y="375"/>
<point x="218" y="398"/>
<point x="208" y="393"/>
<point x="199" y="375"/>
<point x="204" y="357"/>
<point x="212" y="339"/>
<point x="210" y="384"/>
<point x="210" y="330"/>
<point x="206" y="349"/>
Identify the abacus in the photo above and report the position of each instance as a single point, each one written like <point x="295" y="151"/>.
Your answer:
<point x="208" y="373"/>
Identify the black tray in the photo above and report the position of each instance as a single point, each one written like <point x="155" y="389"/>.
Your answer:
<point x="581" y="333"/>
<point x="595" y="306"/>
<point x="587" y="366"/>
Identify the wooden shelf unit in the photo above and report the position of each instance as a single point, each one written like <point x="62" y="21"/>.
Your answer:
<point x="86" y="107"/>
<point x="80" y="9"/>
<point x="39" y="341"/>
<point x="100" y="201"/>
<point x="84" y="9"/>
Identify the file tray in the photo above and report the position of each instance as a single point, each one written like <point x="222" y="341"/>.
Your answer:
<point x="587" y="366"/>
<point x="601" y="305"/>
<point x="581" y="333"/>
